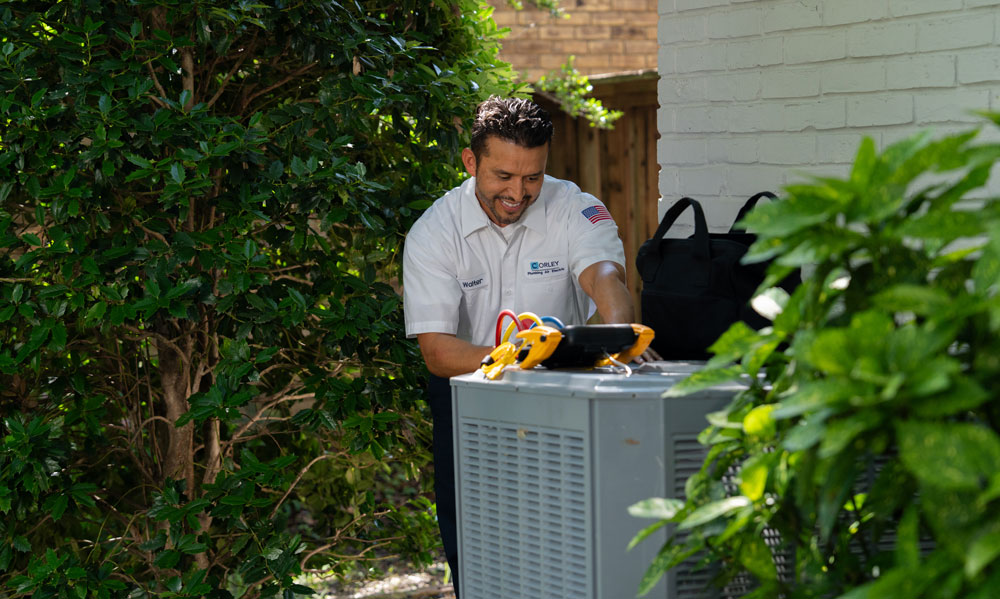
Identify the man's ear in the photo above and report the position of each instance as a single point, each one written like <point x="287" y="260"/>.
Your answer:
<point x="469" y="160"/>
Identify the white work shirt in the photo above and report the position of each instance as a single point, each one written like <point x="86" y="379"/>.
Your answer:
<point x="460" y="271"/>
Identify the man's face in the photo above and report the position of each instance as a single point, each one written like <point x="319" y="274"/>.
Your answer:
<point x="508" y="178"/>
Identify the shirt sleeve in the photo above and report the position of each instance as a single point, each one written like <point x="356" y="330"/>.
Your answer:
<point x="431" y="294"/>
<point x="593" y="234"/>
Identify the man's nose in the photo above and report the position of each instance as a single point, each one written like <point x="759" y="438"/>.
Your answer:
<point x="517" y="189"/>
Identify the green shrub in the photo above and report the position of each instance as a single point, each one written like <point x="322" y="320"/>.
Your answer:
<point x="204" y="384"/>
<point x="867" y="437"/>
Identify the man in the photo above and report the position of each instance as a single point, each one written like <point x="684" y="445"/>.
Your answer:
<point x="509" y="237"/>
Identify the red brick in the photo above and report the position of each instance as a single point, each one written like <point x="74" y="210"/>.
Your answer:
<point x="593" y="61"/>
<point x="551" y="62"/>
<point x="593" y="32"/>
<point x="606" y="47"/>
<point x="553" y="32"/>
<point x="641" y="47"/>
<point x="576" y="47"/>
<point x="504" y="18"/>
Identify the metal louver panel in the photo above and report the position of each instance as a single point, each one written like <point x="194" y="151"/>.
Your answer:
<point x="690" y="581"/>
<point x="525" y="510"/>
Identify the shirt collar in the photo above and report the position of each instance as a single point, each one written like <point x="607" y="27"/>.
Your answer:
<point x="474" y="217"/>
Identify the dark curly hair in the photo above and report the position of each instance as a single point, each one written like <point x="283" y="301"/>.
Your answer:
<point x="512" y="119"/>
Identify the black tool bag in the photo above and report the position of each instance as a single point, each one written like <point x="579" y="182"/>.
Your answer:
<point x="695" y="288"/>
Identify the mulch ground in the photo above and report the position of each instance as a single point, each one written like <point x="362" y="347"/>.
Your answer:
<point x="400" y="581"/>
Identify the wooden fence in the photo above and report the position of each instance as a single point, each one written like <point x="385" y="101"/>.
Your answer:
<point x="618" y="166"/>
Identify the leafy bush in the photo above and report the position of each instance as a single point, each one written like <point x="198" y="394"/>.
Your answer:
<point x="867" y="438"/>
<point x="203" y="379"/>
<point x="570" y="88"/>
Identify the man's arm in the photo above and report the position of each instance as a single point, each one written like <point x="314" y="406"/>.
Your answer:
<point x="447" y="356"/>
<point x="604" y="282"/>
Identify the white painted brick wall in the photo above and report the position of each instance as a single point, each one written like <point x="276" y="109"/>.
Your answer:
<point x="758" y="94"/>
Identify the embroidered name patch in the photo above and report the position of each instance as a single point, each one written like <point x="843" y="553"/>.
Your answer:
<point x="474" y="283"/>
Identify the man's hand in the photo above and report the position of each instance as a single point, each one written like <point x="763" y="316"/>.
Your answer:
<point x="448" y="356"/>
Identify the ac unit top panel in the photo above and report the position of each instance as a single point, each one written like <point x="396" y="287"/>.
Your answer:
<point x="647" y="382"/>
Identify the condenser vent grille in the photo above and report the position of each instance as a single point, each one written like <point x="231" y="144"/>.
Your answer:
<point x="689" y="455"/>
<point x="525" y="501"/>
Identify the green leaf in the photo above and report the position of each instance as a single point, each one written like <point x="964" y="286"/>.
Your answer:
<point x="756" y="557"/>
<point x="177" y="172"/>
<point x="964" y="394"/>
<point x="737" y="340"/>
<point x="656" y="507"/>
<point x="7" y="312"/>
<point x="167" y="559"/>
<point x="960" y="456"/>
<point x="919" y="299"/>
<point x="224" y="149"/>
<point x="669" y="556"/>
<point x="271" y="553"/>
<point x="907" y="550"/>
<point x="138" y="161"/>
<point x="986" y="271"/>
<point x="831" y="351"/>
<point x="298" y="589"/>
<point x="31" y="239"/>
<point x="21" y="544"/>
<point x="841" y="432"/>
<point x="57" y="506"/>
<point x="58" y="340"/>
<point x="703" y="379"/>
<point x="95" y="313"/>
<point x="154" y="544"/>
<point x="818" y="394"/>
<point x="714" y="510"/>
<point x="754" y="474"/>
<point x="864" y="162"/>
<point x="983" y="551"/>
<point x="643" y="534"/>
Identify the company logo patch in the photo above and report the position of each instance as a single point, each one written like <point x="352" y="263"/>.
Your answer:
<point x="545" y="268"/>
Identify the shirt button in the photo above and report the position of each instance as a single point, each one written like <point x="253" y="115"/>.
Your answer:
<point x="508" y="292"/>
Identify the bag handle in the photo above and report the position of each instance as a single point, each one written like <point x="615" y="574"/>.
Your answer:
<point x="702" y="251"/>
<point x="747" y="207"/>
<point x="700" y="227"/>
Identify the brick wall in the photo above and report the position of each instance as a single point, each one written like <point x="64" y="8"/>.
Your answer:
<point x="606" y="36"/>
<point x="753" y="93"/>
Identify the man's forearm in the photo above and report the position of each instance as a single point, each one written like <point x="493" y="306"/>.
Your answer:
<point x="448" y="356"/>
<point x="604" y="282"/>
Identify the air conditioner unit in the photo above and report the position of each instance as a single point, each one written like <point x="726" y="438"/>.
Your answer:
<point x="548" y="462"/>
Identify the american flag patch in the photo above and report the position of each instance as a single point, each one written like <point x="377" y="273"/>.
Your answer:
<point x="596" y="214"/>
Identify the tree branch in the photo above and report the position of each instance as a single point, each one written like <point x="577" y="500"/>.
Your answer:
<point x="294" y="74"/>
<point x="302" y="473"/>
<point x="225" y="82"/>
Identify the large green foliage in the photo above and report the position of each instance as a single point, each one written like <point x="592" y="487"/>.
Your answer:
<point x="867" y="439"/>
<point x="203" y="380"/>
